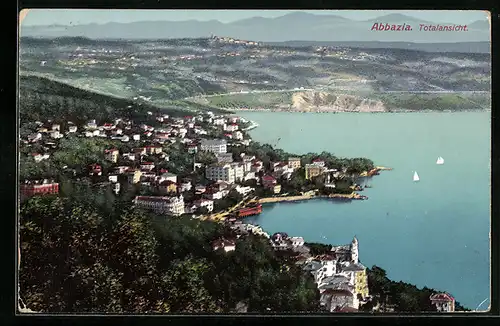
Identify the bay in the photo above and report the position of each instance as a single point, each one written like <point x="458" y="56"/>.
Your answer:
<point x="432" y="233"/>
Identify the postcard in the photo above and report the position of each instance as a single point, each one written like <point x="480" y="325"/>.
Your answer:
<point x="204" y="161"/>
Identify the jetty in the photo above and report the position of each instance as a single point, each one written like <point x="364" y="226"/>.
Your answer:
<point x="352" y="195"/>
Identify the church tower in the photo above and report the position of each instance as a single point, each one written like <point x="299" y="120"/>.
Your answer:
<point x="355" y="250"/>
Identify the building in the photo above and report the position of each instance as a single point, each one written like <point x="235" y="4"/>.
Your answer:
<point x="319" y="162"/>
<point x="55" y="134"/>
<point x="44" y="187"/>
<point x="186" y="186"/>
<point x="163" y="205"/>
<point x="444" y="302"/>
<point x="73" y="129"/>
<point x="208" y="204"/>
<point x="294" y="163"/>
<point x="227" y="245"/>
<point x="167" y="186"/>
<point x="224" y="157"/>
<point x="313" y="170"/>
<point x="147" y="166"/>
<point x="239" y="171"/>
<point x="277" y="189"/>
<point x="220" y="171"/>
<point x="217" y="146"/>
<point x="95" y="169"/>
<point x="153" y="149"/>
<point x="347" y="253"/>
<point x="134" y="176"/>
<point x="297" y="241"/>
<point x="232" y="127"/>
<point x="360" y="279"/>
<point x="268" y="181"/>
<point x="140" y="151"/>
<point x="192" y="149"/>
<point x="111" y="155"/>
<point x="168" y="177"/>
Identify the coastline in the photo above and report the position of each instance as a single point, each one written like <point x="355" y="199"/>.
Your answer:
<point x="371" y="112"/>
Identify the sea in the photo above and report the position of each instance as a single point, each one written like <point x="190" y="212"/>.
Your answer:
<point x="434" y="232"/>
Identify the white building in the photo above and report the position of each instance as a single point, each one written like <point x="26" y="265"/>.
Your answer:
<point x="220" y="171"/>
<point x="209" y="204"/>
<point x="231" y="127"/>
<point x="297" y="241"/>
<point x="73" y="128"/>
<point x="239" y="172"/>
<point x="214" y="145"/>
<point x="56" y="134"/>
<point x="164" y="205"/>
<point x="219" y="122"/>
<point x="168" y="177"/>
<point x="244" y="190"/>
<point x="238" y="135"/>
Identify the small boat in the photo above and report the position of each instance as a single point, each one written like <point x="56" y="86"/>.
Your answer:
<point x="416" y="177"/>
<point x="440" y="161"/>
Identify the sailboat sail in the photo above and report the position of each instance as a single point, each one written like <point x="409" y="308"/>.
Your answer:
<point x="440" y="160"/>
<point x="415" y="176"/>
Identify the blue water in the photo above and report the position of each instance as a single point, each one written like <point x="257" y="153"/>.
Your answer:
<point x="431" y="233"/>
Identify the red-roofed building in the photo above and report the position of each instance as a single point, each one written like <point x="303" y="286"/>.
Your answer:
<point x="95" y="169"/>
<point x="153" y="149"/>
<point x="318" y="162"/>
<point x="108" y="126"/>
<point x="35" y="188"/>
<point x="269" y="181"/>
<point x="443" y="301"/>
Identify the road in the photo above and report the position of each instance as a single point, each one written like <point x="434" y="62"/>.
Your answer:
<point x="250" y="92"/>
<point x="220" y="215"/>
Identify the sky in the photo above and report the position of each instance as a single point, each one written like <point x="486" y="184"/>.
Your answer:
<point x="38" y="17"/>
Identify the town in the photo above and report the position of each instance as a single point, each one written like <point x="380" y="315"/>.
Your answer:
<point x="207" y="167"/>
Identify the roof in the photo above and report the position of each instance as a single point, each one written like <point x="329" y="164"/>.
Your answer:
<point x="442" y="297"/>
<point x="354" y="267"/>
<point x="213" y="142"/>
<point x="155" y="198"/>
<point x="167" y="183"/>
<point x="318" y="160"/>
<point x="334" y="292"/>
<point x="268" y="178"/>
<point x="341" y="249"/>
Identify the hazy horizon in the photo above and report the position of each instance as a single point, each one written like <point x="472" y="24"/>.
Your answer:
<point x="69" y="17"/>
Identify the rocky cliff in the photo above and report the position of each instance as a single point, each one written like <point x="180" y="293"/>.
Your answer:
<point x="322" y="101"/>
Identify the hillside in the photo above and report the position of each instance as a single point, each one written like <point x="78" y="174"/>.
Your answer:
<point x="162" y="72"/>
<point x="43" y="98"/>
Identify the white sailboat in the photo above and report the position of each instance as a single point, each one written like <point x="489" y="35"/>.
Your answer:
<point x="440" y="161"/>
<point x="415" y="177"/>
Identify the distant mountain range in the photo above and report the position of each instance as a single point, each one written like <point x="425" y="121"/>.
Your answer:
<point x="294" y="26"/>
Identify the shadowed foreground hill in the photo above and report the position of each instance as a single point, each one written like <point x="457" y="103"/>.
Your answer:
<point x="42" y="98"/>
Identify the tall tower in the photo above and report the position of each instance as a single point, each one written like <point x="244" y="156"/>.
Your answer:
<point x="355" y="250"/>
<point x="194" y="162"/>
